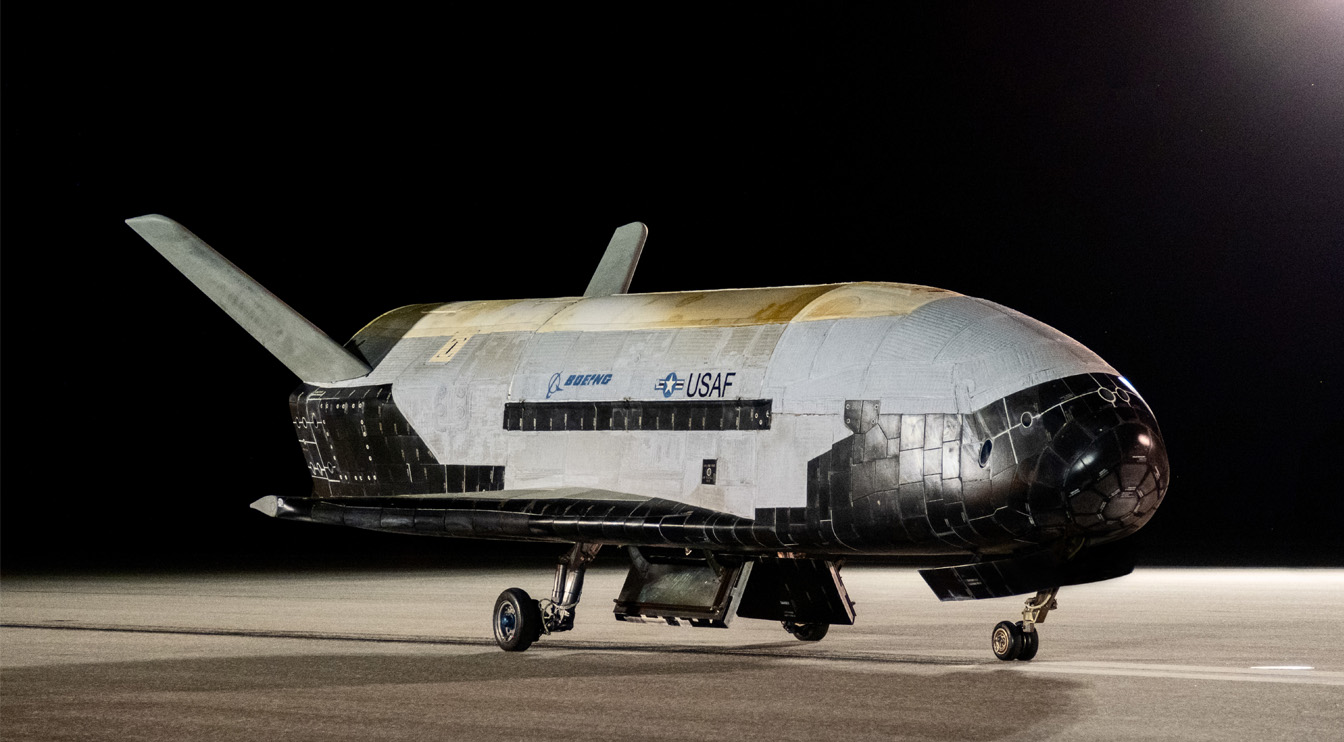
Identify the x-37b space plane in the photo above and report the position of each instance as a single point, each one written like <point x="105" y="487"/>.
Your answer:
<point x="739" y="444"/>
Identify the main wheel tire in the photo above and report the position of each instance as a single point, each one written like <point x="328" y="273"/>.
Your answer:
<point x="517" y="620"/>
<point x="807" y="632"/>
<point x="1006" y="641"/>
<point x="1031" y="641"/>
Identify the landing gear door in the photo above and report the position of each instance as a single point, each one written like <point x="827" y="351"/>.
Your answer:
<point x="804" y="591"/>
<point x="672" y="586"/>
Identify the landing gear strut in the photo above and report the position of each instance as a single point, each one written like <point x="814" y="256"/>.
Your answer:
<point x="1019" y="641"/>
<point x="519" y="620"/>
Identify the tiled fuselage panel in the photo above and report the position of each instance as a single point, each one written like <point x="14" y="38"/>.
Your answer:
<point x="358" y="444"/>
<point x="1074" y="456"/>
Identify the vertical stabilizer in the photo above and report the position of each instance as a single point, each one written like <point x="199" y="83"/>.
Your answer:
<point x="304" y="349"/>
<point x="617" y="268"/>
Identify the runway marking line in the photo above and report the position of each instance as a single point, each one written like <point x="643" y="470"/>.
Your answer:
<point x="1264" y="674"/>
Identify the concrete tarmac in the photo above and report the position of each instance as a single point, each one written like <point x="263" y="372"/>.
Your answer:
<point x="336" y="655"/>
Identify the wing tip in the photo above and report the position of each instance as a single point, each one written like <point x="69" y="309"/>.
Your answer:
<point x="268" y="505"/>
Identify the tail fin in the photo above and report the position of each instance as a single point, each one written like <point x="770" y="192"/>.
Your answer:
<point x="617" y="268"/>
<point x="300" y="345"/>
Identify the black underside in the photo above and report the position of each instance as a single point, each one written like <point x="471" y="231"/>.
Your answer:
<point x="652" y="522"/>
<point x="1031" y="572"/>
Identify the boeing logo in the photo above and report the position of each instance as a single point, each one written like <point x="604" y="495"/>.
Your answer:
<point x="555" y="387"/>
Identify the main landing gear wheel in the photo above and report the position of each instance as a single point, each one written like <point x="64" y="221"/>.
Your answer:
<point x="1007" y="641"/>
<point x="517" y="620"/>
<point x="807" y="632"/>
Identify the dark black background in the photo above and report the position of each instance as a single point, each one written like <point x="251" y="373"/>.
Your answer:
<point x="1164" y="184"/>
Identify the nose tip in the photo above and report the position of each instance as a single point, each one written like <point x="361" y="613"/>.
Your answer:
<point x="1117" y="478"/>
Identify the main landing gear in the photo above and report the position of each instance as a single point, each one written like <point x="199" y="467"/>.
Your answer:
<point x="1019" y="641"/>
<point x="519" y="620"/>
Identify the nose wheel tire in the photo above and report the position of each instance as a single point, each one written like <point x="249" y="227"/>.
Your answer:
<point x="1010" y="642"/>
<point x="517" y="620"/>
<point x="1030" y="641"/>
<point x="1006" y="641"/>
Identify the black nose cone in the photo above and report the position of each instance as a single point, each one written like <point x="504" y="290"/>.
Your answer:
<point x="1120" y="478"/>
<point x="1108" y="462"/>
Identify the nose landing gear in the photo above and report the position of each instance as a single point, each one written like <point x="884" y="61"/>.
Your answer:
<point x="1019" y="641"/>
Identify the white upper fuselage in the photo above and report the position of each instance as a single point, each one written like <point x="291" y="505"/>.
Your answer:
<point x="916" y="350"/>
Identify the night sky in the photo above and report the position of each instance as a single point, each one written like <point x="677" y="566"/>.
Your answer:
<point x="1165" y="184"/>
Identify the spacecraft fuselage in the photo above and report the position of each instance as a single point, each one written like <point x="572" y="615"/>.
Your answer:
<point x="739" y="442"/>
<point x="838" y="419"/>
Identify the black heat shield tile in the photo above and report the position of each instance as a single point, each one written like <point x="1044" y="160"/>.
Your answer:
<point x="1030" y="573"/>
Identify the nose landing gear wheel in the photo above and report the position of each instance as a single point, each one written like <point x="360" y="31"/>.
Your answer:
<point x="517" y="620"/>
<point x="1019" y="641"/>
<point x="1010" y="641"/>
<point x="1006" y="641"/>
<point x="1031" y="640"/>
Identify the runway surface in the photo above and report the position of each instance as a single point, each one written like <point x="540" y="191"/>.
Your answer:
<point x="1161" y="654"/>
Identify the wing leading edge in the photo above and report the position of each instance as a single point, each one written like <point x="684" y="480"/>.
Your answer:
<point x="296" y="342"/>
<point x="561" y="515"/>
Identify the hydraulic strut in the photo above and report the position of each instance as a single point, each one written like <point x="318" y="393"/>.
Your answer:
<point x="558" y="612"/>
<point x="1037" y="608"/>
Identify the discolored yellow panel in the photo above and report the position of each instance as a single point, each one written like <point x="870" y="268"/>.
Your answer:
<point x="723" y="308"/>
<point x="852" y="300"/>
<point x="504" y="315"/>
<point x="741" y="307"/>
